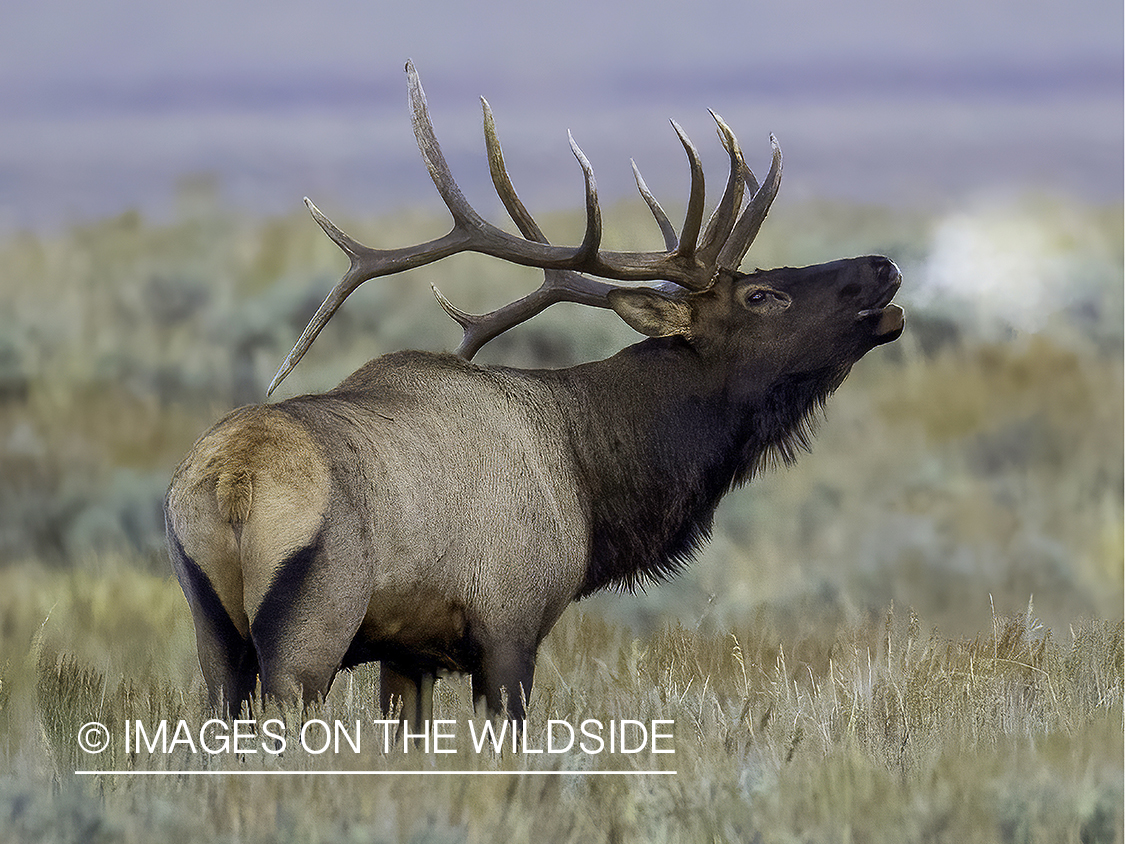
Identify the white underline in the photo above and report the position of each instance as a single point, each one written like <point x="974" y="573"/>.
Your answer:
<point x="373" y="773"/>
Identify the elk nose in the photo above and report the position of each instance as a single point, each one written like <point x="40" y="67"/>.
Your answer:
<point x="888" y="272"/>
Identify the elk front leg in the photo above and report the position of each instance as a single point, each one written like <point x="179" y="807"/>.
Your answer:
<point x="506" y="677"/>
<point x="415" y="690"/>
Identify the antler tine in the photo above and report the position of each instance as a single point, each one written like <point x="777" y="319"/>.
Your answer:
<point x="722" y="221"/>
<point x="750" y="221"/>
<point x="470" y="232"/>
<point x="479" y="235"/>
<point x="558" y="286"/>
<point x="671" y="241"/>
<point x="503" y="182"/>
<point x="693" y="217"/>
<point x="593" y="237"/>
<point x="749" y="179"/>
<point x="426" y="138"/>
<point x="463" y="318"/>
<point x="351" y="247"/>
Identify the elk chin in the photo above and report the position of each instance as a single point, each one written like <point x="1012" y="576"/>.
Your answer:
<point x="890" y="324"/>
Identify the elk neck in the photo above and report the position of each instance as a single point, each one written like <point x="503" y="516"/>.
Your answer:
<point x="658" y="436"/>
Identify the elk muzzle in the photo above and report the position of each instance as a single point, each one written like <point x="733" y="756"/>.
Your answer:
<point x="888" y="319"/>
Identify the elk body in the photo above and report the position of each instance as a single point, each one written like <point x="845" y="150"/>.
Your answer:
<point x="439" y="516"/>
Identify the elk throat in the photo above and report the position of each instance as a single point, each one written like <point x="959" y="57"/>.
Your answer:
<point x="654" y="472"/>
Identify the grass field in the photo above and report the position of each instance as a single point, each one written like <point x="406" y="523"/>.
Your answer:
<point x="873" y="730"/>
<point x="913" y="635"/>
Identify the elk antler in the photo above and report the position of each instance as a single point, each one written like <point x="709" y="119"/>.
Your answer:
<point x="686" y="261"/>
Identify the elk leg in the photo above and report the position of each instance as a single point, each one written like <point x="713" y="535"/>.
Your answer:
<point x="226" y="655"/>
<point x="230" y="667"/>
<point x="300" y="664"/>
<point x="506" y="677"/>
<point x="294" y="682"/>
<point x="242" y="677"/>
<point x="415" y="690"/>
<point x="480" y="697"/>
<point x="298" y="660"/>
<point x="306" y="620"/>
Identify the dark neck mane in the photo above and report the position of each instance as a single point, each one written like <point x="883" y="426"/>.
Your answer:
<point x="656" y="450"/>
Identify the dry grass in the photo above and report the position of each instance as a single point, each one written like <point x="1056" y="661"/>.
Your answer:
<point x="879" y="731"/>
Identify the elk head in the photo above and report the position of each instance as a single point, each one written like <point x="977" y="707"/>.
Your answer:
<point x="761" y="323"/>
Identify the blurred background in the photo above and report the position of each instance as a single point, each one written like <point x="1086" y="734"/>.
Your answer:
<point x="105" y="107"/>
<point x="156" y="263"/>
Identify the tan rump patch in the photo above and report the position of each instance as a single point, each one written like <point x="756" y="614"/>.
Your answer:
<point x="253" y="490"/>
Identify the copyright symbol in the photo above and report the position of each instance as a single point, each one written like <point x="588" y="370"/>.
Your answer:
<point x="93" y="737"/>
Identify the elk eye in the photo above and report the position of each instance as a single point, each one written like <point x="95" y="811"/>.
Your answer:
<point x="764" y="300"/>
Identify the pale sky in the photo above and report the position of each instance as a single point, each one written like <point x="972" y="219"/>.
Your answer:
<point x="59" y="48"/>
<point x="106" y="104"/>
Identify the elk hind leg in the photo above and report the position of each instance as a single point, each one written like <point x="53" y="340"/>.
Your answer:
<point x="230" y="668"/>
<point x="226" y="653"/>
<point x="300" y="642"/>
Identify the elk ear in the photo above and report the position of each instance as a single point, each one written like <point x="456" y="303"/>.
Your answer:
<point x="650" y="312"/>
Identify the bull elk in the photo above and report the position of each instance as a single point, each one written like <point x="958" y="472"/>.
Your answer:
<point x="438" y="516"/>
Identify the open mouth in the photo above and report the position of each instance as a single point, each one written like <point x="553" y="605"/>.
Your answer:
<point x="889" y="318"/>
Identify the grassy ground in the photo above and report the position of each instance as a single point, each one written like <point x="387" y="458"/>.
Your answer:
<point x="873" y="730"/>
<point x="913" y="635"/>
